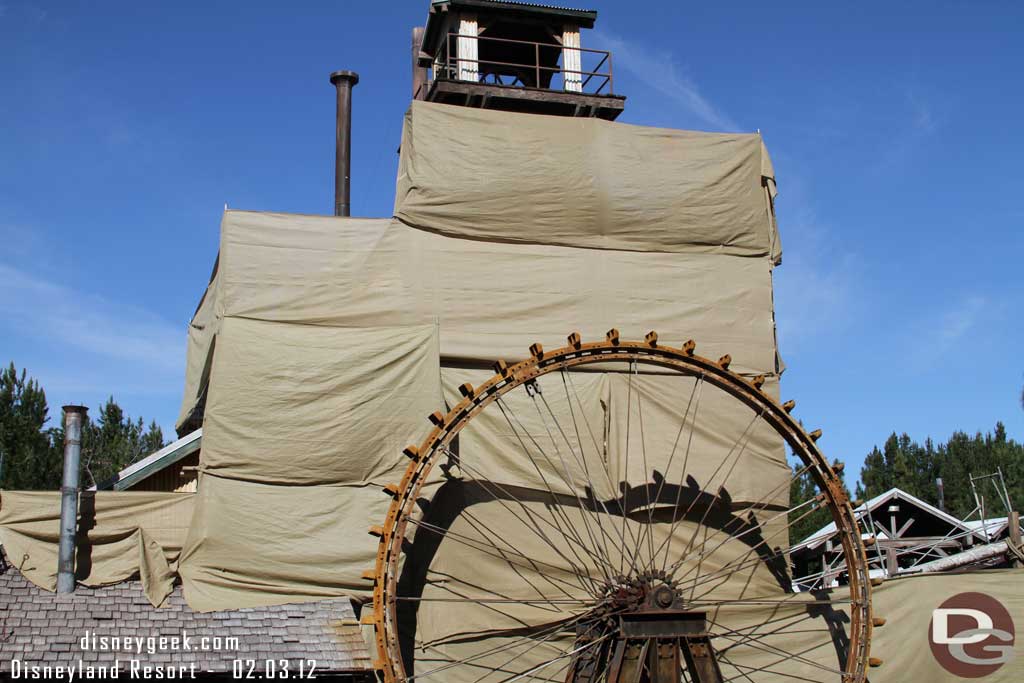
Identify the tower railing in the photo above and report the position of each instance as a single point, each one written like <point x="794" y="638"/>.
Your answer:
<point x="460" y="61"/>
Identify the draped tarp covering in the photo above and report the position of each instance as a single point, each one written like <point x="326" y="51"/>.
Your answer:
<point x="489" y="299"/>
<point x="304" y="424"/>
<point x="120" y="534"/>
<point x="534" y="523"/>
<point x="624" y="426"/>
<point x="202" y="330"/>
<point x="325" y="342"/>
<point x="584" y="182"/>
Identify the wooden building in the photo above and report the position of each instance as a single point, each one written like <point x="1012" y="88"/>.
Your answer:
<point x="903" y="534"/>
<point x="173" y="468"/>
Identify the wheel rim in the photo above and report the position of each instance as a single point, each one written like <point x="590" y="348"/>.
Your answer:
<point x="437" y="449"/>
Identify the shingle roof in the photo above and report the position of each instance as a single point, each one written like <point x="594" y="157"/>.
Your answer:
<point x="38" y="627"/>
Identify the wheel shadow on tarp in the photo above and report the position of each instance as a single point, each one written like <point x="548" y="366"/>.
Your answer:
<point x="714" y="510"/>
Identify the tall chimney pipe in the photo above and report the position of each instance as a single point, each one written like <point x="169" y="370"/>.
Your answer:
<point x="73" y="418"/>
<point x="942" y="497"/>
<point x="343" y="81"/>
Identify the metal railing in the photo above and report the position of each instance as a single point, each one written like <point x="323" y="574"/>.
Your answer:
<point x="453" y="66"/>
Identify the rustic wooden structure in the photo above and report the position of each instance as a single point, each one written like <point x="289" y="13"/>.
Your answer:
<point x="903" y="533"/>
<point x="512" y="56"/>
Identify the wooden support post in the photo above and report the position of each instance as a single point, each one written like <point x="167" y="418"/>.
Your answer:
<point x="1014" y="526"/>
<point x="892" y="565"/>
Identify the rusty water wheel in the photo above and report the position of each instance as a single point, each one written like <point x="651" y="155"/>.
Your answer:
<point x="623" y="613"/>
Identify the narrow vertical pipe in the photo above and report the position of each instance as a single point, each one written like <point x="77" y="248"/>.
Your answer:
<point x="74" y="416"/>
<point x="419" y="73"/>
<point x="343" y="82"/>
<point x="942" y="497"/>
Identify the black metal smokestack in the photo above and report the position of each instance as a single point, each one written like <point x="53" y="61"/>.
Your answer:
<point x="343" y="81"/>
<point x="74" y="416"/>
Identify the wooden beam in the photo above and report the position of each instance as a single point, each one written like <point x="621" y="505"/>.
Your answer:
<point x="903" y="529"/>
<point x="1014" y="528"/>
<point x="892" y="566"/>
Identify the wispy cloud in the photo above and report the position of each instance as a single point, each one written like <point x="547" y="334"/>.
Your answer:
<point x="816" y="289"/>
<point x="660" y="70"/>
<point x="933" y="337"/>
<point x="908" y="125"/>
<point x="50" y="312"/>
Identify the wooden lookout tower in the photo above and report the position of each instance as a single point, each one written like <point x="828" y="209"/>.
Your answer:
<point x="513" y="56"/>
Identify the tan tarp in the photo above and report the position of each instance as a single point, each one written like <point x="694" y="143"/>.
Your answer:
<point x="202" y="330"/>
<point x="318" y="335"/>
<point x="629" y="423"/>
<point x="584" y="182"/>
<point x="497" y="552"/>
<point x="488" y="299"/>
<point x="533" y="503"/>
<point x="120" y="534"/>
<point x="304" y="424"/>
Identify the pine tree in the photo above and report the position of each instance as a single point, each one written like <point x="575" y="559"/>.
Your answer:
<point x="801" y="489"/>
<point x="32" y="454"/>
<point x="25" y="457"/>
<point x="111" y="441"/>
<point x="915" y="467"/>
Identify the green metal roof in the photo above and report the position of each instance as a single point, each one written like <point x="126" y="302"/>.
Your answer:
<point x="165" y="457"/>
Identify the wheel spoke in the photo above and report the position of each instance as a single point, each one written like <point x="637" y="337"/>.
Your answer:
<point x="562" y="561"/>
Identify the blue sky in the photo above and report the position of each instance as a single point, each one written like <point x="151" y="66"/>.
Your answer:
<point x="895" y="129"/>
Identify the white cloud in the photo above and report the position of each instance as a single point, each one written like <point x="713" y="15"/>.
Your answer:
<point x="34" y="308"/>
<point x="659" y="70"/>
<point x="959" y="327"/>
<point x="959" y="320"/>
